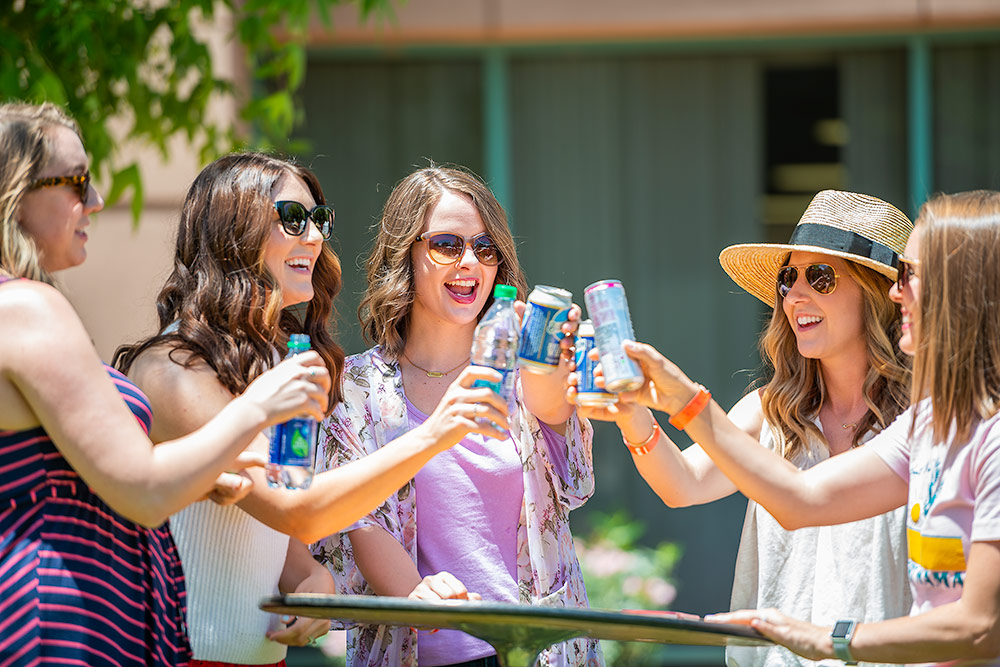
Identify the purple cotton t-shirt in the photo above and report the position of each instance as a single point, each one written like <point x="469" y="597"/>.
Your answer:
<point x="469" y="501"/>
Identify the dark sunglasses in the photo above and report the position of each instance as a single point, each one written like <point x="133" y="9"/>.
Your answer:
<point x="80" y="182"/>
<point x="446" y="248"/>
<point x="905" y="271"/>
<point x="295" y="217"/>
<point x="821" y="277"/>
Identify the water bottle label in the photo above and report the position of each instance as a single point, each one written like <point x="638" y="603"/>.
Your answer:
<point x="294" y="443"/>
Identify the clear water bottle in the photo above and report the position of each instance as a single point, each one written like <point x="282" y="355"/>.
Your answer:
<point x="496" y="341"/>
<point x="292" y="453"/>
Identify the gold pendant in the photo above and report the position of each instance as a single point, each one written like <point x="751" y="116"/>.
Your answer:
<point x="434" y="374"/>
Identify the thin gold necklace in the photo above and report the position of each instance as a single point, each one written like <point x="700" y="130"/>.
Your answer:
<point x="436" y="374"/>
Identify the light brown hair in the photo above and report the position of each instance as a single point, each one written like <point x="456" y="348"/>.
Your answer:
<point x="792" y="398"/>
<point x="385" y="307"/>
<point x="225" y="301"/>
<point x="957" y="358"/>
<point x="25" y="150"/>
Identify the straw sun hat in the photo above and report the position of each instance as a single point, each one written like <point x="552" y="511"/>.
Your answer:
<point x="860" y="228"/>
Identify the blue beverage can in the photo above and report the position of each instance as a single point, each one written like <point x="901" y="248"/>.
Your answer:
<point x="608" y="310"/>
<point x="588" y="393"/>
<point x="546" y="310"/>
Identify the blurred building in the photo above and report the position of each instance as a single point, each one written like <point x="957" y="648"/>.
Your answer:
<point x="633" y="140"/>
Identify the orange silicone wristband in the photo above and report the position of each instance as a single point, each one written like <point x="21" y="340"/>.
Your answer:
<point x="646" y="446"/>
<point x="694" y="407"/>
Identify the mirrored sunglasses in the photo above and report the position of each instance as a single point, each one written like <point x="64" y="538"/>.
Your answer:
<point x="821" y="277"/>
<point x="906" y="271"/>
<point x="80" y="182"/>
<point x="447" y="248"/>
<point x="295" y="217"/>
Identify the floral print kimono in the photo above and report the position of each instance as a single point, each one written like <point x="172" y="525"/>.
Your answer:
<point x="373" y="413"/>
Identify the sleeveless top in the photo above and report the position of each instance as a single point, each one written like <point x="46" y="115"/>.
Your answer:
<point x="818" y="574"/>
<point x="231" y="561"/>
<point x="79" y="584"/>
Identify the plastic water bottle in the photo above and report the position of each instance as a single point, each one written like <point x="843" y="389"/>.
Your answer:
<point x="292" y="453"/>
<point x="496" y="341"/>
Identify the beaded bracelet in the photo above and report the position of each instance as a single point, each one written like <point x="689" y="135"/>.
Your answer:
<point x="694" y="407"/>
<point x="646" y="446"/>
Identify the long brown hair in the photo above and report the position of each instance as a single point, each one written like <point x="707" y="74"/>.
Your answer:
<point x="793" y="396"/>
<point x="26" y="149"/>
<point x="385" y="307"/>
<point x="226" y="303"/>
<point x="957" y="358"/>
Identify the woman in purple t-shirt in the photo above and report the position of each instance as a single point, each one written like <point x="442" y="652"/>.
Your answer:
<point x="940" y="457"/>
<point x="491" y="514"/>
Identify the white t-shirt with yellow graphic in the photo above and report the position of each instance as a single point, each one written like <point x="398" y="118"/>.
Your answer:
<point x="954" y="500"/>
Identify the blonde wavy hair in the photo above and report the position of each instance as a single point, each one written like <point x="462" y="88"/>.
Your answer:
<point x="957" y="358"/>
<point x="26" y="147"/>
<point x="793" y="396"/>
<point x="385" y="306"/>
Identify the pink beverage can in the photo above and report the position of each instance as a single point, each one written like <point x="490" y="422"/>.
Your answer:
<point x="544" y="314"/>
<point x="588" y="393"/>
<point x="608" y="309"/>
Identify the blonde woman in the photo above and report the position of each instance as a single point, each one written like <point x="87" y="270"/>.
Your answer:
<point x="89" y="573"/>
<point x="836" y="380"/>
<point x="490" y="516"/>
<point x="940" y="459"/>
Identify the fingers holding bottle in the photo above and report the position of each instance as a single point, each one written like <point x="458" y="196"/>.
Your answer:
<point x="298" y="386"/>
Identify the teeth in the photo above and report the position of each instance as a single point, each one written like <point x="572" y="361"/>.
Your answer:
<point x="463" y="282"/>
<point x="298" y="262"/>
<point x="807" y="319"/>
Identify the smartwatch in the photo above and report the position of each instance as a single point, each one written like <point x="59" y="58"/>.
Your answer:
<point x="842" y="633"/>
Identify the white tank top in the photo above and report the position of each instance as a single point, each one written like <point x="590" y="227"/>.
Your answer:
<point x="230" y="562"/>
<point x="818" y="574"/>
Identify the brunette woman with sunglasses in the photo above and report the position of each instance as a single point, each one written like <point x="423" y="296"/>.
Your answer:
<point x="489" y="515"/>
<point x="250" y="245"/>
<point x="836" y="380"/>
<point x="89" y="573"/>
<point x="940" y="460"/>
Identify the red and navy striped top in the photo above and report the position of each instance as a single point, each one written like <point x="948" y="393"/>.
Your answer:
<point x="79" y="584"/>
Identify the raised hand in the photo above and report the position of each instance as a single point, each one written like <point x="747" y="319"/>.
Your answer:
<point x="298" y="386"/>
<point x="667" y="388"/>
<point x="464" y="409"/>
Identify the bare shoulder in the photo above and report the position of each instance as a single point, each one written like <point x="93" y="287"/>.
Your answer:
<point x="184" y="391"/>
<point x="748" y="414"/>
<point x="27" y="303"/>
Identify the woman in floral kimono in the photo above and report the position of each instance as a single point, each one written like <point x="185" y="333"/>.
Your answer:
<point x="489" y="516"/>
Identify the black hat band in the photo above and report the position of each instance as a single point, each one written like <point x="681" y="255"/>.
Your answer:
<point x="842" y="240"/>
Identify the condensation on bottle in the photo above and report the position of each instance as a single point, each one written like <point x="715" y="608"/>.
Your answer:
<point x="496" y="340"/>
<point x="292" y="453"/>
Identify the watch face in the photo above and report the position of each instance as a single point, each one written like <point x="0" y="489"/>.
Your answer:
<point x="841" y="628"/>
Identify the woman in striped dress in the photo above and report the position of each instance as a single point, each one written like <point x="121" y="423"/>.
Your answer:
<point x="88" y="572"/>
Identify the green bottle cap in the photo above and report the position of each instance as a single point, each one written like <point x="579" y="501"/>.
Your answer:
<point x="504" y="292"/>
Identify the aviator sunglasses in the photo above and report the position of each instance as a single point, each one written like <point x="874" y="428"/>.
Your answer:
<point x="295" y="217"/>
<point x="80" y="183"/>
<point x="905" y="270"/>
<point x="821" y="277"/>
<point x="447" y="248"/>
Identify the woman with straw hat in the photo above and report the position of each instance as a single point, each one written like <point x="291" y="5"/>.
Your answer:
<point x="940" y="459"/>
<point x="836" y="379"/>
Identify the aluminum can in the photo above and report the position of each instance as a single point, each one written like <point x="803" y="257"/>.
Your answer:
<point x="546" y="310"/>
<point x="587" y="393"/>
<point x="608" y="310"/>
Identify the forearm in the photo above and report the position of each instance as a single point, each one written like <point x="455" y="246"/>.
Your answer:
<point x="302" y="574"/>
<point x="178" y="472"/>
<point x="383" y="562"/>
<point x="757" y="472"/>
<point x="337" y="498"/>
